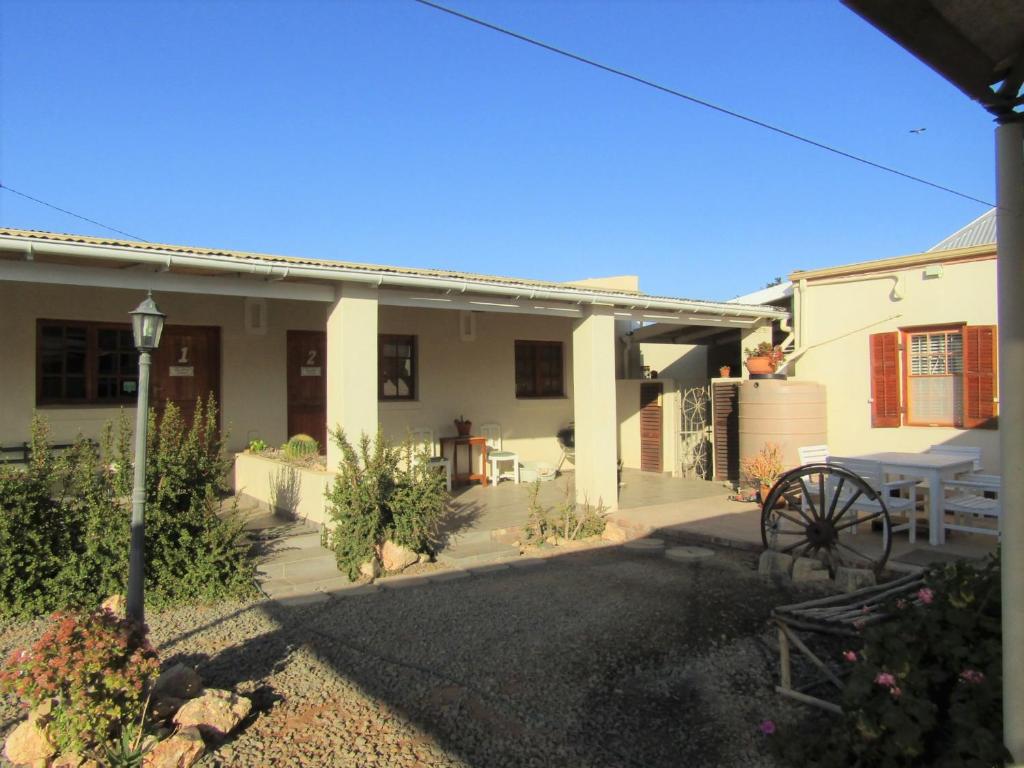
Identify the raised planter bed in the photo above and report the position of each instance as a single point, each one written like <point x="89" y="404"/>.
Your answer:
<point x="283" y="487"/>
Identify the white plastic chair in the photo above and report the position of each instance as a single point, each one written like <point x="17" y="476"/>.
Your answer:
<point x="496" y="456"/>
<point x="425" y="437"/>
<point x="973" y="496"/>
<point x="813" y="454"/>
<point x="871" y="473"/>
<point x="961" y="451"/>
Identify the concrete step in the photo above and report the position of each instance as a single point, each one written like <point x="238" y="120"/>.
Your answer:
<point x="275" y="588"/>
<point x="300" y="566"/>
<point x="466" y="554"/>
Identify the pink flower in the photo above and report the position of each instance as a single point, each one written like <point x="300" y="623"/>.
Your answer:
<point x="850" y="656"/>
<point x="925" y="595"/>
<point x="859" y="623"/>
<point x="886" y="679"/>
<point x="901" y="603"/>
<point x="767" y="727"/>
<point x="972" y="676"/>
<point x="895" y="691"/>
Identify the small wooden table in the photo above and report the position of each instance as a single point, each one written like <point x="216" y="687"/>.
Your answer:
<point x="469" y="441"/>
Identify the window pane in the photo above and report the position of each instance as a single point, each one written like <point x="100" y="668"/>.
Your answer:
<point x="106" y="388"/>
<point x="75" y="387"/>
<point x="106" y="338"/>
<point x="52" y="363"/>
<point x="51" y="388"/>
<point x="107" y="362"/>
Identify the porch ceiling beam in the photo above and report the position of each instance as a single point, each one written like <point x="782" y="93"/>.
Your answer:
<point x="476" y="303"/>
<point x="62" y="274"/>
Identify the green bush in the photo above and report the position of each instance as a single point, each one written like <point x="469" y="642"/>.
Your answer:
<point x="927" y="688"/>
<point x="382" y="492"/>
<point x="567" y="521"/>
<point x="91" y="672"/>
<point x="300" y="446"/>
<point x="64" y="521"/>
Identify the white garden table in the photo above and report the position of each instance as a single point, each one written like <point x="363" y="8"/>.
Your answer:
<point x="932" y="468"/>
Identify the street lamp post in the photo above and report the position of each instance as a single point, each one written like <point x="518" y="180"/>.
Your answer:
<point x="147" y="325"/>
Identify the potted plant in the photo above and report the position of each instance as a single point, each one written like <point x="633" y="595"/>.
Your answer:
<point x="764" y="358"/>
<point x="725" y="371"/>
<point x="463" y="425"/>
<point x="763" y="469"/>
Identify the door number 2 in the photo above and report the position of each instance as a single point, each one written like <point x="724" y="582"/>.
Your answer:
<point x="311" y="357"/>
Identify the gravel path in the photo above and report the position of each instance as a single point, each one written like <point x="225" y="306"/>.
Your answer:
<point x="598" y="658"/>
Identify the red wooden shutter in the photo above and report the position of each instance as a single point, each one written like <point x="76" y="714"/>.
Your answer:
<point x="980" y="377"/>
<point x="885" y="379"/>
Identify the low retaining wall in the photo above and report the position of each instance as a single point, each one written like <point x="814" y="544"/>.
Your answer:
<point x="283" y="488"/>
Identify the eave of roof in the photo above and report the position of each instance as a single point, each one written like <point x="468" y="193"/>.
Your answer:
<point x="974" y="253"/>
<point x="324" y="269"/>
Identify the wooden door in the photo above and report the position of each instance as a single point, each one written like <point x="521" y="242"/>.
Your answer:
<point x="726" y="420"/>
<point x="650" y="427"/>
<point x="186" y="366"/>
<point x="307" y="385"/>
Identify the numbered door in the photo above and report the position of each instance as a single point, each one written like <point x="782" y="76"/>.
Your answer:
<point x="307" y="385"/>
<point x="650" y="427"/>
<point x="186" y="366"/>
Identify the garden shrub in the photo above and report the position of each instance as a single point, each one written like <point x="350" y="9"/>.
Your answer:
<point x="926" y="690"/>
<point x="64" y="521"/>
<point x="93" y="670"/>
<point x="568" y="521"/>
<point x="381" y="492"/>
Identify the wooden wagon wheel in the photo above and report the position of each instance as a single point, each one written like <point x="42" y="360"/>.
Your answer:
<point x="810" y="512"/>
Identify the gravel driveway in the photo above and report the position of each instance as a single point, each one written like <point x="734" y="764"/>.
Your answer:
<point x="598" y="658"/>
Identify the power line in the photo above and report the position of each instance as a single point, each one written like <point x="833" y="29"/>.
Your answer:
<point x="694" y="99"/>
<point x="72" y="213"/>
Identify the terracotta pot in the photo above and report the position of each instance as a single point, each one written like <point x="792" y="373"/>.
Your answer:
<point x="724" y="371"/>
<point x="780" y="503"/>
<point x="463" y="427"/>
<point x="760" y="364"/>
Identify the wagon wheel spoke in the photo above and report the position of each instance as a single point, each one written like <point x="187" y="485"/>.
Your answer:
<point x="789" y="548"/>
<point x="791" y="498"/>
<point x="855" y="521"/>
<point x="835" y="498"/>
<point x="846" y="507"/>
<point x="810" y="501"/>
<point x="856" y="552"/>
<point x="784" y="516"/>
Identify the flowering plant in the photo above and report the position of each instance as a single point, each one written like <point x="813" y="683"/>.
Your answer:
<point x="91" y="672"/>
<point x="927" y="688"/>
<point x="766" y="349"/>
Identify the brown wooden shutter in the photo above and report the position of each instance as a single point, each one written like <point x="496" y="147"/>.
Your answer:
<point x="980" y="377"/>
<point x="885" y="379"/>
<point x="725" y="405"/>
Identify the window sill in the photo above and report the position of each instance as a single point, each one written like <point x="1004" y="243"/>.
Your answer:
<point x="399" y="405"/>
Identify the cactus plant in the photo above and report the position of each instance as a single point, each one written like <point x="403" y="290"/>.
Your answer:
<point x="300" y="446"/>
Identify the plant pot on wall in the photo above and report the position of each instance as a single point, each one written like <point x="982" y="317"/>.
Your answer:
<point x="463" y="427"/>
<point x="725" y="371"/>
<point x="760" y="365"/>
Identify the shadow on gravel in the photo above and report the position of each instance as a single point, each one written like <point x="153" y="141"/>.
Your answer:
<point x="598" y="658"/>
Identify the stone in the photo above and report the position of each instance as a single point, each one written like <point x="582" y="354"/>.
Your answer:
<point x="615" y="532"/>
<point x="774" y="563"/>
<point x="688" y="554"/>
<point x="216" y="713"/>
<point x="181" y="750"/>
<point x="29" y="744"/>
<point x="115" y="604"/>
<point x="371" y="568"/>
<point x="178" y="682"/>
<point x="394" y="557"/>
<point x="73" y="760"/>
<point x="852" y="579"/>
<point x="807" y="569"/>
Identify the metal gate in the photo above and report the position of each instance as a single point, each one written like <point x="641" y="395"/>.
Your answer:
<point x="695" y="433"/>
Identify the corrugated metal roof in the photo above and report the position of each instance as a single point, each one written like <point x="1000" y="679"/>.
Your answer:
<point x="981" y="231"/>
<point x="511" y="282"/>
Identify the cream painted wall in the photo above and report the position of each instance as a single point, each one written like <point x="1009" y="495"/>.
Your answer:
<point x="836" y="319"/>
<point x="253" y="386"/>
<point x="259" y="478"/>
<point x="686" y="364"/>
<point x="476" y="379"/>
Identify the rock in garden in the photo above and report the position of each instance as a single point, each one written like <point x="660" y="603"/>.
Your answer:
<point x="774" y="563"/>
<point x="370" y="568"/>
<point x="215" y="713"/>
<point x="181" y="750"/>
<point x="115" y="604"/>
<point x="29" y="744"/>
<point x="72" y="760"/>
<point x="177" y="682"/>
<point x="807" y="569"/>
<point x="395" y="557"/>
<point x="852" y="579"/>
<point x="615" y="532"/>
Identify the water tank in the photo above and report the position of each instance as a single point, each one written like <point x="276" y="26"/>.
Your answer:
<point x="790" y="414"/>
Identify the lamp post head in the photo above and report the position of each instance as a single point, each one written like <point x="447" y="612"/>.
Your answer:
<point x="147" y="324"/>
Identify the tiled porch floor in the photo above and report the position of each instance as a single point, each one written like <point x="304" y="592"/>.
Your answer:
<point x="684" y="508"/>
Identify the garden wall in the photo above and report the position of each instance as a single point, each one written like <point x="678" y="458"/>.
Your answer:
<point x="283" y="488"/>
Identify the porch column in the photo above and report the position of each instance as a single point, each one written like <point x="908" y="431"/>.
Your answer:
<point x="351" y="365"/>
<point x="1010" y="270"/>
<point x="750" y="338"/>
<point x="593" y="374"/>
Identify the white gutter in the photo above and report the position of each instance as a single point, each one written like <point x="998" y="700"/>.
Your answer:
<point x="374" y="277"/>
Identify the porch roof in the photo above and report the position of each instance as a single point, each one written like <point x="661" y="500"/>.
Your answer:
<point x="30" y="255"/>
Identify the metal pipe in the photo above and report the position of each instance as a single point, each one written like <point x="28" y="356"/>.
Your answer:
<point x="1010" y="271"/>
<point x="379" y="277"/>
<point x="135" y="602"/>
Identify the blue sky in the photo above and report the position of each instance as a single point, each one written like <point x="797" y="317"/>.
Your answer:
<point x="388" y="132"/>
